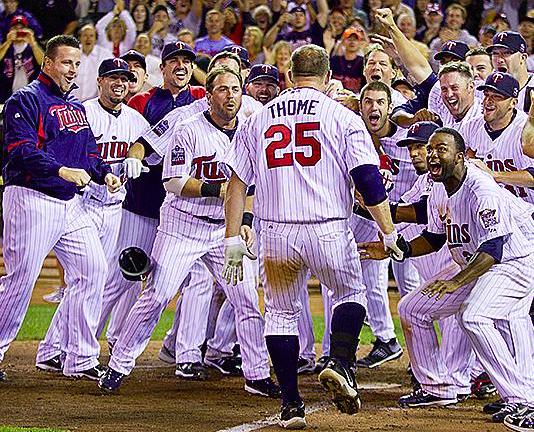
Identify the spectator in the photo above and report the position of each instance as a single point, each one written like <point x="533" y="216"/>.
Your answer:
<point x="253" y="42"/>
<point x="433" y="20"/>
<point x="160" y="32"/>
<point x="141" y="17"/>
<point x="185" y="35"/>
<point x="116" y="30"/>
<point x="474" y="9"/>
<point x="281" y="58"/>
<point x="298" y="36"/>
<point x="398" y="8"/>
<point x="406" y="24"/>
<point x="419" y="10"/>
<point x="526" y="28"/>
<point x="136" y="65"/>
<point x="55" y="16"/>
<point x="151" y="62"/>
<point x="485" y="35"/>
<point x="372" y="7"/>
<point x="187" y="15"/>
<point x="233" y="25"/>
<point x="337" y="23"/>
<point x="348" y="67"/>
<point x="263" y="17"/>
<point x="500" y="22"/>
<point x="91" y="57"/>
<point x="454" y="20"/>
<point x="12" y="9"/>
<point x="480" y="61"/>
<point x="215" y="41"/>
<point x="20" y="57"/>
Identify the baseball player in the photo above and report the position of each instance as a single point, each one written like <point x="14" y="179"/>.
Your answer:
<point x="480" y="61"/>
<point x="145" y="194"/>
<point x="137" y="65"/>
<point x="51" y="152"/>
<point x="115" y="127"/>
<point x="192" y="228"/>
<point x="263" y="83"/>
<point x="304" y="141"/>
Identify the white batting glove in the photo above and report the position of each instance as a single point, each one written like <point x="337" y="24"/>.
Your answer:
<point x="234" y="250"/>
<point x="133" y="168"/>
<point x="390" y="244"/>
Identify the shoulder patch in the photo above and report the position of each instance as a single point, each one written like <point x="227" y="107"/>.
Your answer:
<point x="177" y="156"/>
<point x="488" y="218"/>
<point x="161" y="127"/>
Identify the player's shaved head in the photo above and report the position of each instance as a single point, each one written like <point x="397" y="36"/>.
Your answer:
<point x="58" y="41"/>
<point x="310" y="61"/>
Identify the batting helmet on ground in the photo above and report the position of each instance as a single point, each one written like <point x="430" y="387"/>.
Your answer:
<point x="134" y="263"/>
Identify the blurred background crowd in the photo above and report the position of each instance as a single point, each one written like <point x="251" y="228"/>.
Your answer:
<point x="269" y="30"/>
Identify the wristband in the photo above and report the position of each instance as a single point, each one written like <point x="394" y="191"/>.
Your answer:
<point x="248" y="218"/>
<point x="210" y="190"/>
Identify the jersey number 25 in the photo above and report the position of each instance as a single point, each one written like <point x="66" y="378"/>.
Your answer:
<point x="288" y="158"/>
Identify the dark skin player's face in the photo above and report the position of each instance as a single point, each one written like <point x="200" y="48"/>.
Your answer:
<point x="418" y="156"/>
<point x="443" y="159"/>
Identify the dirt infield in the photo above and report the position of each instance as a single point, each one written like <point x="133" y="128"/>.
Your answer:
<point x="153" y="400"/>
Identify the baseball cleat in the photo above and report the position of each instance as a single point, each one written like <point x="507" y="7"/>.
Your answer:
<point x="110" y="381"/>
<point x="51" y="365"/>
<point x="263" y="387"/>
<point x="305" y="366"/>
<point x="227" y="365"/>
<point x="493" y="407"/>
<point x="55" y="296"/>
<point x="292" y="416"/>
<point x="320" y="364"/>
<point x="462" y="397"/>
<point x="3" y="376"/>
<point x="482" y="387"/>
<point x="95" y="373"/>
<point x="191" y="371"/>
<point x="523" y="421"/>
<point x="341" y="382"/>
<point x="508" y="409"/>
<point x="420" y="398"/>
<point x="382" y="352"/>
<point x="166" y="355"/>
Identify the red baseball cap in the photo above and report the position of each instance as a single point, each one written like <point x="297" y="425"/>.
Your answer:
<point x="19" y="19"/>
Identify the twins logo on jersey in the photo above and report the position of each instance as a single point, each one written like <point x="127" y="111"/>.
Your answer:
<point x="114" y="150"/>
<point x="208" y="170"/>
<point x="504" y="166"/>
<point x="69" y="118"/>
<point x="456" y="234"/>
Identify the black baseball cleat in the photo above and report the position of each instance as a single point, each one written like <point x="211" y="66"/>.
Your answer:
<point x="111" y="381"/>
<point x="482" y="387"/>
<point x="95" y="373"/>
<point x="420" y="398"/>
<point x="341" y="382"/>
<point x="227" y="365"/>
<point x="493" y="407"/>
<point x="263" y="387"/>
<point x="523" y="421"/>
<point x="292" y="415"/>
<point x="320" y="364"/>
<point x="191" y="371"/>
<point x="3" y="376"/>
<point x="51" y="365"/>
<point x="305" y="366"/>
<point x="382" y="352"/>
<point x="508" y="409"/>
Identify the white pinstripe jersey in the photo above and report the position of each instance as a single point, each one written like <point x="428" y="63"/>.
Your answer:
<point x="404" y="175"/>
<point x="161" y="133"/>
<point x="437" y="106"/>
<point x="114" y="134"/>
<point x="449" y="121"/>
<point x="196" y="150"/>
<point x="477" y="212"/>
<point x="503" y="153"/>
<point x="397" y="98"/>
<point x="298" y="151"/>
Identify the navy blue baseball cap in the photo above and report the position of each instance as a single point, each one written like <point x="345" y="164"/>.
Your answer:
<point x="502" y="83"/>
<point x="241" y="52"/>
<point x="264" y="71"/>
<point x="115" y="66"/>
<point x="510" y="40"/>
<point x="177" y="48"/>
<point x="418" y="133"/>
<point x="457" y="49"/>
<point x="136" y="56"/>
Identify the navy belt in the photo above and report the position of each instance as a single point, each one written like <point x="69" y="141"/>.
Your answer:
<point x="98" y="201"/>
<point x="210" y="220"/>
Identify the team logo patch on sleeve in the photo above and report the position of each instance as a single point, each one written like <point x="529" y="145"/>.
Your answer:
<point x="177" y="156"/>
<point x="161" y="127"/>
<point x="488" y="218"/>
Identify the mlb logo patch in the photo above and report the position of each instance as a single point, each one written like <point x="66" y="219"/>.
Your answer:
<point x="178" y="156"/>
<point x="488" y="218"/>
<point x="161" y="128"/>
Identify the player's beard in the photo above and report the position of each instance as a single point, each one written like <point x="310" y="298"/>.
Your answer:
<point x="226" y="114"/>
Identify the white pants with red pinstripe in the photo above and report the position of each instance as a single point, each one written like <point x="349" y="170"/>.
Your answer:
<point x="482" y="308"/>
<point x="34" y="223"/>
<point x="174" y="254"/>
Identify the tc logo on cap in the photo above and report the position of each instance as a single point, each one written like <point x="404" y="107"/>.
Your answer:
<point x="266" y="68"/>
<point x="497" y="76"/>
<point x="451" y="45"/>
<point x="120" y="63"/>
<point x="414" y="128"/>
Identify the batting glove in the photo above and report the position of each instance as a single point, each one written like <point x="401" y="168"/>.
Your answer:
<point x="391" y="245"/>
<point x="133" y="168"/>
<point x="234" y="250"/>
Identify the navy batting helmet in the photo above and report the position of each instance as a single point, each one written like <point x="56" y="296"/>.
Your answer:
<point x="134" y="263"/>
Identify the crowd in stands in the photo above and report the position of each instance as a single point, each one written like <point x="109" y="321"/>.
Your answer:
<point x="269" y="29"/>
